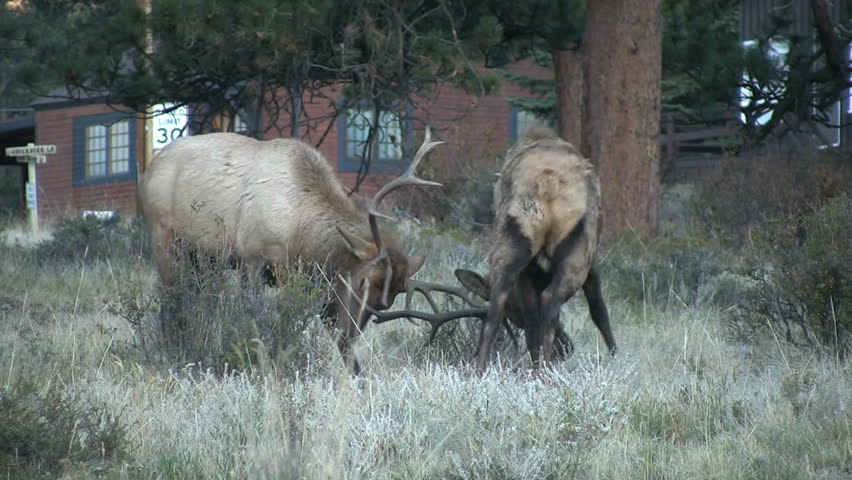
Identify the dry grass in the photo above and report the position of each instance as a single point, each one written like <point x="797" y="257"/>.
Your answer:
<point x="681" y="400"/>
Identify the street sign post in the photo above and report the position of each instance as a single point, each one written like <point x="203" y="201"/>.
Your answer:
<point x="168" y="126"/>
<point x="32" y="154"/>
<point x="32" y="196"/>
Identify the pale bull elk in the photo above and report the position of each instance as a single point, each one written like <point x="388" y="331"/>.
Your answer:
<point x="274" y="202"/>
<point x="542" y="250"/>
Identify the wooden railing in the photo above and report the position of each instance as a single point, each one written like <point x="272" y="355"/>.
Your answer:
<point x="7" y="114"/>
<point x="689" y="149"/>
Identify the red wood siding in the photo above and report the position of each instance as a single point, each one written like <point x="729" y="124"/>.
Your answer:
<point x="476" y="129"/>
<point x="56" y="193"/>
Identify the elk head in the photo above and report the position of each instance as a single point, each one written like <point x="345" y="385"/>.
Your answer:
<point x="381" y="269"/>
<point x="519" y="297"/>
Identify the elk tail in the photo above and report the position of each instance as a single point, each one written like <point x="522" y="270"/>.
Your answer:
<point x="548" y="184"/>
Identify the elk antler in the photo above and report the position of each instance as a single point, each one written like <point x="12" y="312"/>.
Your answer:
<point x="426" y="288"/>
<point x="407" y="178"/>
<point x="437" y="319"/>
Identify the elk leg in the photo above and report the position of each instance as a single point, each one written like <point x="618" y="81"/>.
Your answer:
<point x="563" y="347"/>
<point x="535" y="340"/>
<point x="549" y="336"/>
<point x="164" y="253"/>
<point x="562" y="285"/>
<point x="349" y="324"/>
<point x="344" y="341"/>
<point x="513" y="253"/>
<point x="597" y="308"/>
<point x="489" y="329"/>
<point x="538" y="334"/>
<point x="172" y="319"/>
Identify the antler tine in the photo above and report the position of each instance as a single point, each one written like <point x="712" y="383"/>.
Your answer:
<point x="435" y="319"/>
<point x="408" y="177"/>
<point x="426" y="288"/>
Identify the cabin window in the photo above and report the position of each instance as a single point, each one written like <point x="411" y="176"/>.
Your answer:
<point x="107" y="149"/>
<point x="521" y="121"/>
<point x="104" y="149"/>
<point x="849" y="91"/>
<point x="241" y="126"/>
<point x="831" y="117"/>
<point x="760" y="87"/>
<point x="384" y="148"/>
<point x="766" y="82"/>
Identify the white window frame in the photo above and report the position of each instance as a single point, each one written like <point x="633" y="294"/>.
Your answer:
<point x="109" y="152"/>
<point x="387" y="146"/>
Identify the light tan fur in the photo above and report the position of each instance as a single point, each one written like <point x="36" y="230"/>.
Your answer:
<point x="262" y="200"/>
<point x="547" y="187"/>
<point x="267" y="202"/>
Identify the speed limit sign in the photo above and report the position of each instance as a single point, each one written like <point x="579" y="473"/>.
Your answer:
<point x="170" y="125"/>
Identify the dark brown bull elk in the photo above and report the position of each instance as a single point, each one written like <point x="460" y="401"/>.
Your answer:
<point x="544" y="242"/>
<point x="274" y="202"/>
<point x="542" y="249"/>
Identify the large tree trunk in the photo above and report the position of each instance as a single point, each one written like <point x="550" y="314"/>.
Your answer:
<point x="568" y="70"/>
<point x="621" y="115"/>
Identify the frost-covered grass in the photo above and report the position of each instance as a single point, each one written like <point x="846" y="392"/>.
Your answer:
<point x="683" y="398"/>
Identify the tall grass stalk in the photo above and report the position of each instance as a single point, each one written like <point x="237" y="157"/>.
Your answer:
<point x="682" y="399"/>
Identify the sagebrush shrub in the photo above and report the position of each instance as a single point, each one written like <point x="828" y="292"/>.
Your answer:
<point x="751" y="189"/>
<point x="801" y="269"/>
<point x="92" y="238"/>
<point x="222" y="317"/>
<point x="44" y="430"/>
<point x="666" y="271"/>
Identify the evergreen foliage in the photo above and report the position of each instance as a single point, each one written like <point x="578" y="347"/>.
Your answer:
<point x="235" y="56"/>
<point x="702" y="61"/>
<point x="794" y="80"/>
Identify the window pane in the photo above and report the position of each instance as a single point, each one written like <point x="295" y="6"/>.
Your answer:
<point x="759" y="92"/>
<point x="390" y="137"/>
<point x="95" y="150"/>
<point x="358" y="123"/>
<point x="119" y="134"/>
<point x="526" y="121"/>
<point x="240" y="124"/>
<point x="119" y="160"/>
<point x="119" y="152"/>
<point x="96" y="163"/>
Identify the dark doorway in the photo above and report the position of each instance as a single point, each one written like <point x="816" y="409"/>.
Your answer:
<point x="17" y="128"/>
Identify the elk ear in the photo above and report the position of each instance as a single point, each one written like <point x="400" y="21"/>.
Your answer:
<point x="359" y="247"/>
<point x="474" y="282"/>
<point x="414" y="264"/>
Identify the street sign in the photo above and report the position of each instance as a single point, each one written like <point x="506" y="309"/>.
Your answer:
<point x="168" y="126"/>
<point x="31" y="149"/>
<point x="32" y="154"/>
<point x="32" y="196"/>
